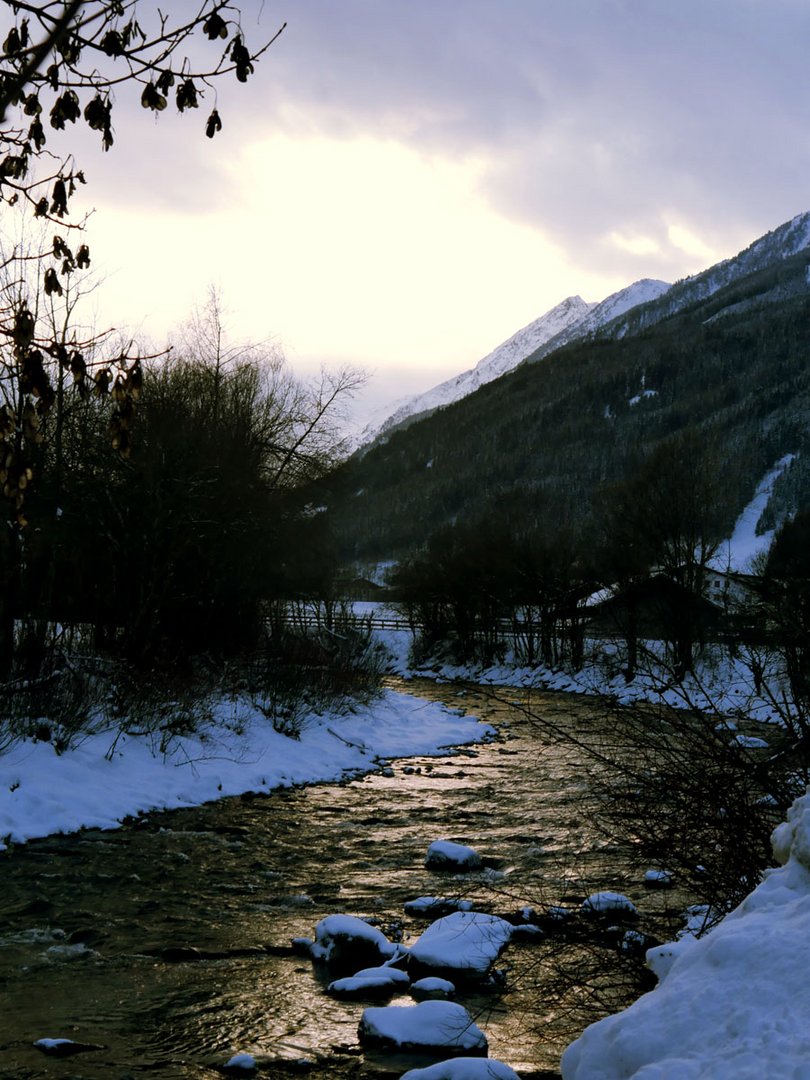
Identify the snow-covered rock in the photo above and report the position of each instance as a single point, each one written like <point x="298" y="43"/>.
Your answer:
<point x="345" y="940"/>
<point x="732" y="1004"/>
<point x="464" y="1069"/>
<point x="447" y="855"/>
<point x="609" y="903"/>
<point x="435" y="906"/>
<point x="527" y="932"/>
<point x="428" y="1027"/>
<point x="465" y="942"/>
<point x="376" y="982"/>
<point x="64" y="1047"/>
<point x="432" y="987"/>
<point x="658" y="879"/>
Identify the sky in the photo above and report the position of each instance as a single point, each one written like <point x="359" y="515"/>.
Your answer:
<point x="403" y="184"/>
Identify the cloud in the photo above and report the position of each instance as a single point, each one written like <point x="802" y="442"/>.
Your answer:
<point x="406" y="183"/>
<point x="591" y="119"/>
<point x="594" y="118"/>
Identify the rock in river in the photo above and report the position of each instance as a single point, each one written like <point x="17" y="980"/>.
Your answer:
<point x="431" y="1027"/>
<point x="465" y="943"/>
<point x="348" y="943"/>
<point x="447" y="855"/>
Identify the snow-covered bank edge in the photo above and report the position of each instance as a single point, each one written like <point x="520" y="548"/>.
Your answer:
<point x="108" y="776"/>
<point x="720" y="683"/>
<point x="733" y="1004"/>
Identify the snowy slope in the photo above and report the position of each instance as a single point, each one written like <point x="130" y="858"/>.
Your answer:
<point x="733" y="1005"/>
<point x="743" y="546"/>
<point x="502" y="359"/>
<point x="568" y="321"/>
<point x="609" y="309"/>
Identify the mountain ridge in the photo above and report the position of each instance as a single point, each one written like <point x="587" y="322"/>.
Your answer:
<point x="727" y="357"/>
<point x="500" y="360"/>
<point x="782" y="243"/>
<point x="627" y="311"/>
<point x="567" y="321"/>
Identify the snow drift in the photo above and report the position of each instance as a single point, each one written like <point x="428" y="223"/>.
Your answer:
<point x="733" y="1004"/>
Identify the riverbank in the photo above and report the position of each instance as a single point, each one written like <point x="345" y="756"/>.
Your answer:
<point x="107" y="776"/>
<point x="724" y="681"/>
<point x="733" y="1004"/>
<point x="750" y="967"/>
<point x="168" y="941"/>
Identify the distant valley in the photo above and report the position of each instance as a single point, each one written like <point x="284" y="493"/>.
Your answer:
<point x="575" y="401"/>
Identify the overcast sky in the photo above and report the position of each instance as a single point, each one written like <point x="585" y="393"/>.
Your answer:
<point x="405" y="183"/>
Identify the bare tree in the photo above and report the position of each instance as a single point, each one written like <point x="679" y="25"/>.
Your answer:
<point x="63" y="64"/>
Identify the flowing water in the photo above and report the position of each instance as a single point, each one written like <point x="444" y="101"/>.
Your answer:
<point x="167" y="944"/>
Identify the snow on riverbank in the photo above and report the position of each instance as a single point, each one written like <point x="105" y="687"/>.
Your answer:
<point x="734" y="1004"/>
<point x="720" y="683"/>
<point x="105" y="779"/>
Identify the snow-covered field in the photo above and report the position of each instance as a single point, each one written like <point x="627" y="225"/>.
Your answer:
<point x="106" y="778"/>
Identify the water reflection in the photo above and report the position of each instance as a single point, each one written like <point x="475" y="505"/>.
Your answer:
<point x="169" y="943"/>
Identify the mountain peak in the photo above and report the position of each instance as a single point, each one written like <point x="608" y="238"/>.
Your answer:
<point x="612" y="307"/>
<point x="627" y="311"/>
<point x="503" y="358"/>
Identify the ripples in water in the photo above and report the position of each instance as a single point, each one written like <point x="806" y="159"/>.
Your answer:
<point x="167" y="943"/>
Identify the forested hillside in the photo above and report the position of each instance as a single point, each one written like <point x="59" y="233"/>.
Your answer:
<point x="552" y="435"/>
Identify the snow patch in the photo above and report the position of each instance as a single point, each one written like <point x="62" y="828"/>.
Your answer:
<point x="745" y="544"/>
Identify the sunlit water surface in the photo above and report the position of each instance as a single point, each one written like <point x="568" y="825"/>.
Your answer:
<point x="97" y="928"/>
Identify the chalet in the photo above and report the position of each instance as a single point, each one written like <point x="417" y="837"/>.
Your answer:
<point x="649" y="607"/>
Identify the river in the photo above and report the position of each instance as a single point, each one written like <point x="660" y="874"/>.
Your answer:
<point x="167" y="944"/>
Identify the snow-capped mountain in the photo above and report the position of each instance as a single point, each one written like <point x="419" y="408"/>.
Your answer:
<point x="780" y="244"/>
<point x="502" y="359"/>
<point x="550" y="435"/>
<point x="628" y="311"/>
<point x="609" y="309"/>
<point x="568" y="321"/>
